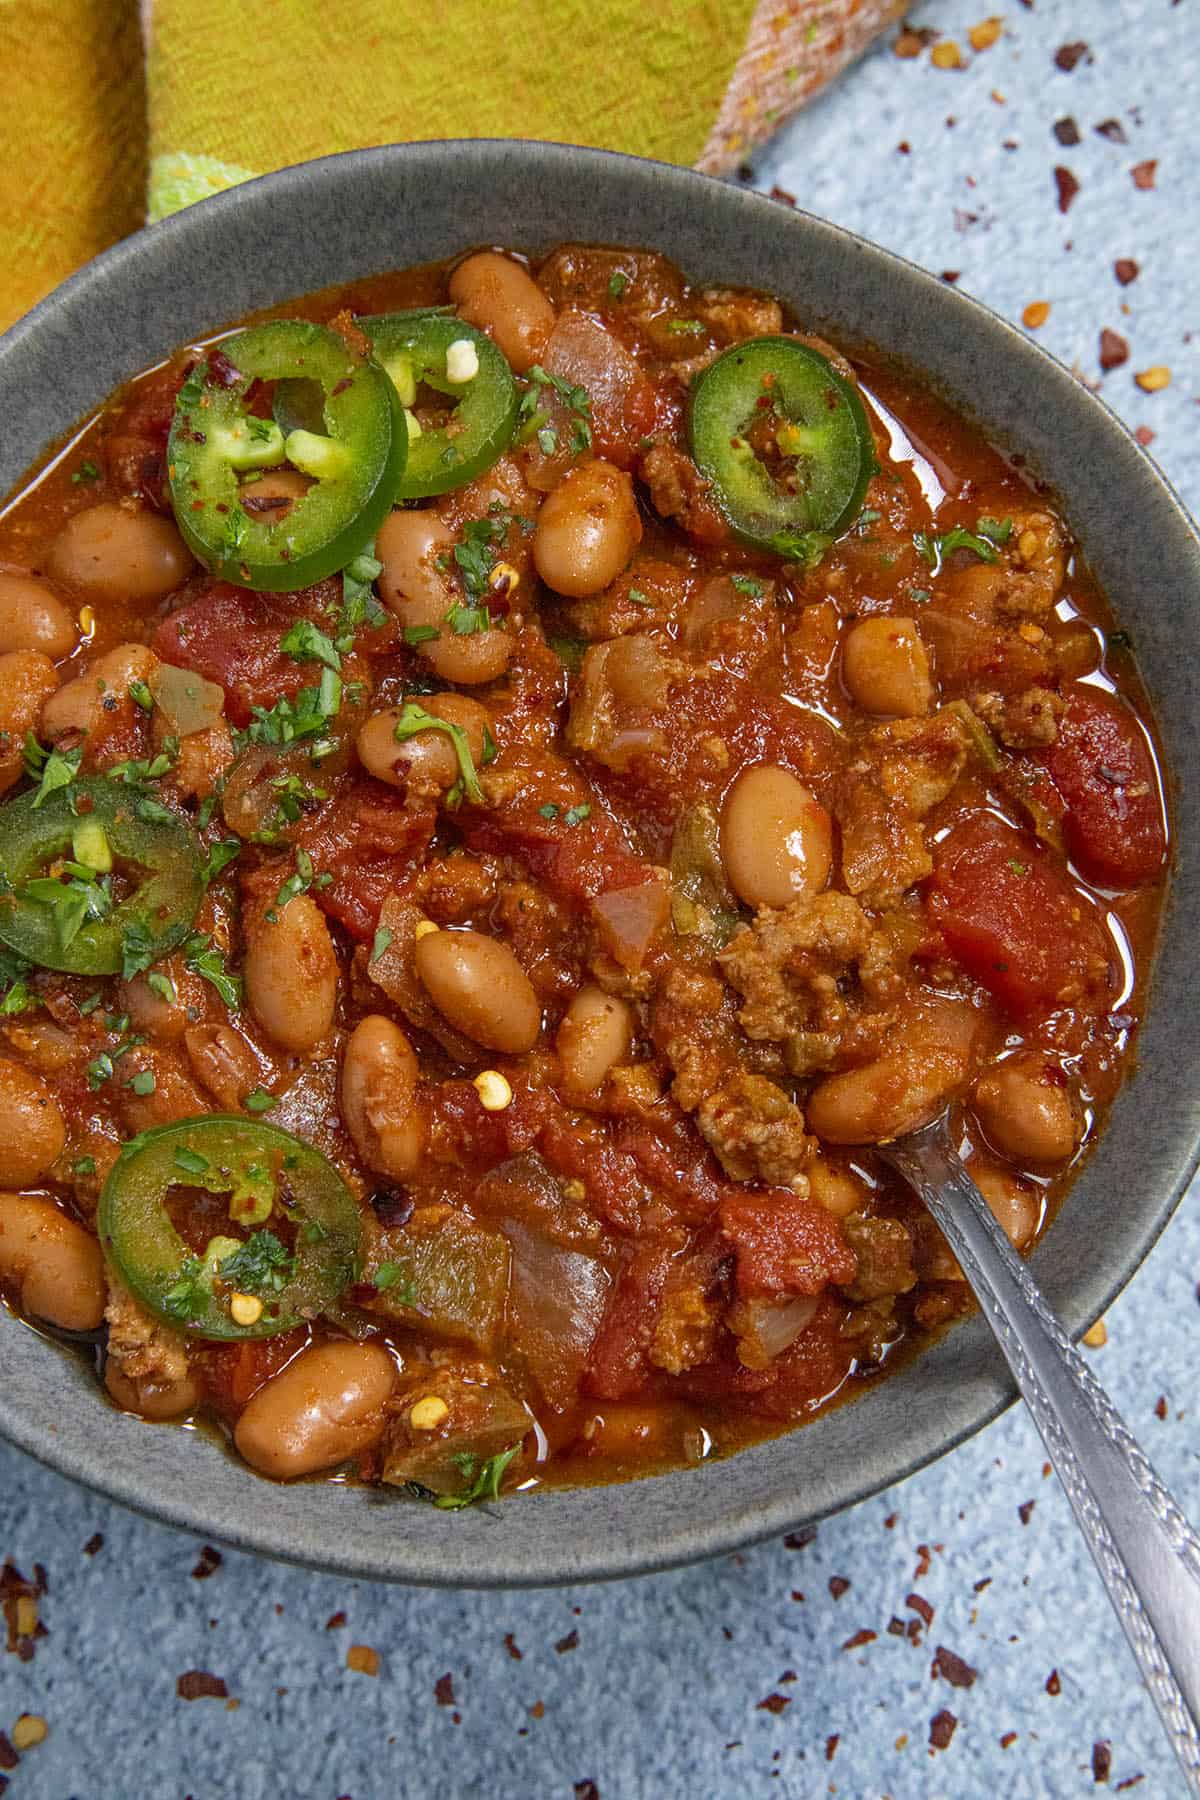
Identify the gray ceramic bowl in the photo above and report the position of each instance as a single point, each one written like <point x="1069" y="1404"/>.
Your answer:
<point x="357" y="214"/>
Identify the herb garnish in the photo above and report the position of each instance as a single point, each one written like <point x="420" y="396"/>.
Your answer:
<point x="414" y="718"/>
<point x="483" y="1479"/>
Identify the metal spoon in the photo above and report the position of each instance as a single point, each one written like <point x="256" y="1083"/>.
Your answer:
<point x="1147" y="1553"/>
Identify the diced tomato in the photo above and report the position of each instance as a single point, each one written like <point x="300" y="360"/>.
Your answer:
<point x="618" y="1367"/>
<point x="369" y="842"/>
<point x="574" y="864"/>
<point x="233" y="1373"/>
<point x="1011" y="914"/>
<point x="784" y="1243"/>
<point x="231" y="636"/>
<point x="1103" y="767"/>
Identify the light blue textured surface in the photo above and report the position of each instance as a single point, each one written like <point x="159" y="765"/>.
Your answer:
<point x="659" y="1699"/>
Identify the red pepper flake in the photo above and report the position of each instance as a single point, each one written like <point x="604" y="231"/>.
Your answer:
<point x="586" y="1790"/>
<point x="796" y="1594"/>
<point x="1160" y="1407"/>
<point x="950" y="276"/>
<point x="510" y="1644"/>
<point x="1143" y="173"/>
<point x="443" y="1690"/>
<point x="570" y="1642"/>
<point x="774" y="1703"/>
<point x="895" y="1626"/>
<point x="1113" y="130"/>
<point x="912" y="1631"/>
<point x="831" y="1744"/>
<point x="1008" y="1740"/>
<point x="1125" y="270"/>
<point x="1067" y="55"/>
<point x="952" y="1668"/>
<point x="1067" y="186"/>
<point x="536" y="1711"/>
<point x="859" y="1639"/>
<point x="838" y="1585"/>
<point x="1101" y="1760"/>
<point x="198" y="1684"/>
<point x="889" y="1524"/>
<point x="8" y="1756"/>
<point x="1066" y="132"/>
<point x="19" y="1597"/>
<point x="942" y="1727"/>
<point x="94" y="1544"/>
<point x="1113" y="350"/>
<point x="1025" y="1511"/>
<point x="924" y="1560"/>
<point x="1145" y="436"/>
<point x="1129" y="1781"/>
<point x="783" y="197"/>
<point x="221" y="370"/>
<point x="799" y="1540"/>
<point x="335" y="1621"/>
<point x="207" y="1563"/>
<point x="984" y="1582"/>
<point x="788" y="1676"/>
<point x="920" y="1605"/>
<point x="1054" y="1684"/>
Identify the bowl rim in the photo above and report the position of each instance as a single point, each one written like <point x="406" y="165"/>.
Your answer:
<point x="329" y="1545"/>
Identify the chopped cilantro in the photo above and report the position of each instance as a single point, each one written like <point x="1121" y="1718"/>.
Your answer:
<point x="997" y="530"/>
<point x="575" y="815"/>
<point x="261" y="1266"/>
<point x="140" y="694"/>
<point x="490" y="751"/>
<point x="577" y="400"/>
<point x="414" y="718"/>
<point x="84" y="1165"/>
<point x="298" y="882"/>
<point x="188" y="1293"/>
<point x="934" y="549"/>
<point x="87" y="471"/>
<point x="51" y="769"/>
<point x="305" y="716"/>
<point x="143" y="1082"/>
<point x="16" y="995"/>
<point x="219" y="857"/>
<point x="549" y="811"/>
<point x="203" y="958"/>
<point x="685" y="327"/>
<point x="137" y="950"/>
<point x="163" y="986"/>
<point x="922" y="596"/>
<point x="99" y="1070"/>
<point x="72" y="902"/>
<point x="749" y="585"/>
<point x="466" y="621"/>
<point x="1018" y="868"/>
<point x="389" y="1276"/>
<point x="190" y="1162"/>
<point x="617" y="283"/>
<point x="306" y="642"/>
<point x="475" y="554"/>
<point x="636" y="597"/>
<point x="484" y="1486"/>
<point x="359" y="605"/>
<point x="547" y="439"/>
<point x="420" y="634"/>
<point x="140" y="770"/>
<point x="258" y="1100"/>
<point x="569" y="651"/>
<point x="382" y="939"/>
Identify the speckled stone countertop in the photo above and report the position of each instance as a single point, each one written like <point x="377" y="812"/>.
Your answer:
<point x="1056" y="167"/>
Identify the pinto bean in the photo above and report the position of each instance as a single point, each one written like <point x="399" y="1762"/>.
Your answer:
<point x="479" y="986"/>
<point x="837" y="1190"/>
<point x="27" y="680"/>
<point x="81" y="705"/>
<point x="886" y="668"/>
<point x="32" y="1130"/>
<point x="495" y="294"/>
<point x="587" y="530"/>
<point x="291" y="974"/>
<point x="1017" y="1205"/>
<point x="52" y="1262"/>
<point x="113" y="552"/>
<point x="410" y="545"/>
<point x="158" y="1018"/>
<point x="426" y="762"/>
<point x="903" y="1089"/>
<point x="152" y="1400"/>
<point x="324" y="1407"/>
<point x="379" y="1098"/>
<point x="1027" y="1110"/>
<point x="776" y="838"/>
<point x="32" y="617"/>
<point x="595" y="1035"/>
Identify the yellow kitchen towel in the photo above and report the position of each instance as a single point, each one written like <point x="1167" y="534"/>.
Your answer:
<point x="113" y="112"/>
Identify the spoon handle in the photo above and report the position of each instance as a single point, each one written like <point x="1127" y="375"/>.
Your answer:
<point x="1147" y="1553"/>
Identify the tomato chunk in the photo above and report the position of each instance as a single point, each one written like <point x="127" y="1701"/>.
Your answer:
<point x="1102" y="766"/>
<point x="1010" y="913"/>
<point x="784" y="1243"/>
